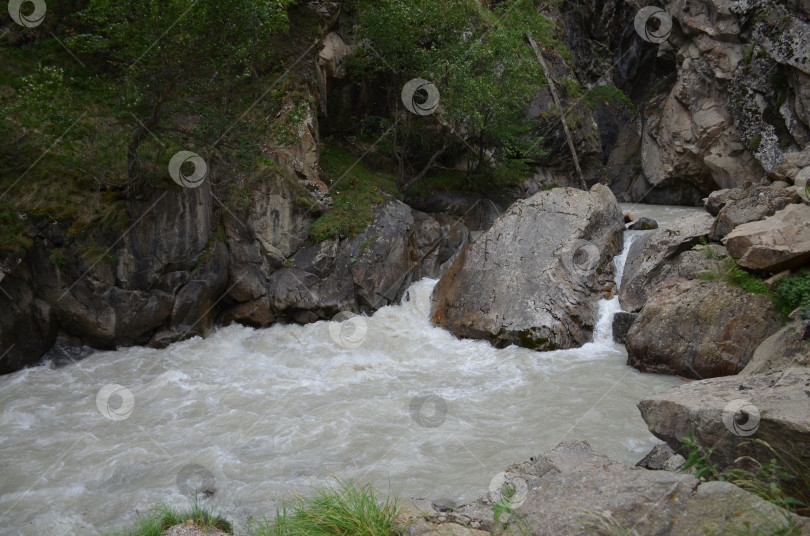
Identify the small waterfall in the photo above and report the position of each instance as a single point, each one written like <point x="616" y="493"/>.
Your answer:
<point x="603" y="333"/>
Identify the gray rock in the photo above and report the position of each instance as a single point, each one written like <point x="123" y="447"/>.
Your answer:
<point x="578" y="498"/>
<point x="699" y="329"/>
<point x="653" y="258"/>
<point x="720" y="198"/>
<point x="778" y="242"/>
<point x="674" y="463"/>
<point x="723" y="413"/>
<point x="621" y="325"/>
<point x="656" y="458"/>
<point x="533" y="278"/>
<point x="757" y="204"/>
<point x="786" y="348"/>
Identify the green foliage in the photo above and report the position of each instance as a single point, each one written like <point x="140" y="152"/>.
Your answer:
<point x="481" y="63"/>
<point x="698" y="459"/>
<point x="608" y="94"/>
<point x="794" y="292"/>
<point x="13" y="234"/>
<point x="344" y="509"/>
<point x="355" y="189"/>
<point x="783" y="480"/>
<point x="504" y="504"/>
<point x="161" y="517"/>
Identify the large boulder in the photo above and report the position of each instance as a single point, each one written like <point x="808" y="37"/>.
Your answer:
<point x="758" y="203"/>
<point x="775" y="243"/>
<point x="699" y="329"/>
<point x="655" y="257"/>
<point x="790" y="346"/>
<point x="573" y="490"/>
<point x="534" y="277"/>
<point x="737" y="416"/>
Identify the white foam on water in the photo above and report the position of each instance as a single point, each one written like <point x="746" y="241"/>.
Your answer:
<point x="269" y="411"/>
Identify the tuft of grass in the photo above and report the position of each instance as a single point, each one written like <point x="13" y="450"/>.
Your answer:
<point x="355" y="189"/>
<point x="697" y="458"/>
<point x="788" y="294"/>
<point x="161" y="517"/>
<point x="783" y="480"/>
<point x="604" y="524"/>
<point x="342" y="509"/>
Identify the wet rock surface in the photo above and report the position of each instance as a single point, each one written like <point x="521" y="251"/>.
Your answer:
<point x="533" y="278"/>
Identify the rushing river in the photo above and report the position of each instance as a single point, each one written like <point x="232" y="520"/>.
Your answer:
<point x="255" y="414"/>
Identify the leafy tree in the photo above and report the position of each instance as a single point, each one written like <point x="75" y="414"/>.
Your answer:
<point x="166" y="48"/>
<point x="484" y="68"/>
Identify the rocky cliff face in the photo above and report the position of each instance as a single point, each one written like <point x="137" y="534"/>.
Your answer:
<point x="723" y="101"/>
<point x="719" y="103"/>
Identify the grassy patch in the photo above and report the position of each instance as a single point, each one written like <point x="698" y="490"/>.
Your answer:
<point x="783" y="479"/>
<point x="162" y="517"/>
<point x="344" y="509"/>
<point x="788" y="293"/>
<point x="608" y="94"/>
<point x="355" y="189"/>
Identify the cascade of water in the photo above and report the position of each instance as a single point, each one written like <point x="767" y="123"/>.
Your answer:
<point x="603" y="332"/>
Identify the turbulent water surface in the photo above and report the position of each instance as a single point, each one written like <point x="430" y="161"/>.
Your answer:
<point x="252" y="415"/>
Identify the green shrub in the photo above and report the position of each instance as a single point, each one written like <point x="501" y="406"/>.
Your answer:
<point x="345" y="509"/>
<point x="793" y="292"/>
<point x="162" y="517"/>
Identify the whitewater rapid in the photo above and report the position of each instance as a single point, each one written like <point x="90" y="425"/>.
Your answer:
<point x="254" y="414"/>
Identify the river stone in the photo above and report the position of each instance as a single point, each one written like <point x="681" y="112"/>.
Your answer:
<point x="657" y="457"/>
<point x="533" y="278"/>
<point x="708" y="410"/>
<point x="574" y="498"/>
<point x="758" y="203"/>
<point x="699" y="329"/>
<point x="621" y="325"/>
<point x="651" y="257"/>
<point x="720" y="198"/>
<point x="778" y="242"/>
<point x="787" y="347"/>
